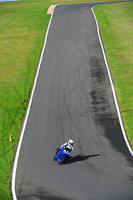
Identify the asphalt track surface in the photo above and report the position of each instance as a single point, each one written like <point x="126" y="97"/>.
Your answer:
<point x="73" y="99"/>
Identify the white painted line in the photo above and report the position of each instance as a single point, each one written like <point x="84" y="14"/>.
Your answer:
<point x="27" y="114"/>
<point x="113" y="88"/>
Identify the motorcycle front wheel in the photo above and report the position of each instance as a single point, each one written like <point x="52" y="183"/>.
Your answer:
<point x="61" y="159"/>
<point x="54" y="157"/>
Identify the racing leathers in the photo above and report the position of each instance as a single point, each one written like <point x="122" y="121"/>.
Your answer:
<point x="65" y="145"/>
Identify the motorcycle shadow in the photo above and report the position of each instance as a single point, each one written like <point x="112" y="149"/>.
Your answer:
<point x="78" y="158"/>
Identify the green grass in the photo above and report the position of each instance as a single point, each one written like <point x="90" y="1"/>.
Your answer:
<point x="116" y="27"/>
<point x="22" y="28"/>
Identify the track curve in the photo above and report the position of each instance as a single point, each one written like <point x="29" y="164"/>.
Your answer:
<point x="73" y="99"/>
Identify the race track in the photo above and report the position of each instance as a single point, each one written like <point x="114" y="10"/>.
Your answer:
<point x="73" y="99"/>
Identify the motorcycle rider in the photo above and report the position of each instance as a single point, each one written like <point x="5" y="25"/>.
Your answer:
<point x="67" y="145"/>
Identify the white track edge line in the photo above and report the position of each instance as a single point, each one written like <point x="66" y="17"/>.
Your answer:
<point x="113" y="88"/>
<point x="27" y="114"/>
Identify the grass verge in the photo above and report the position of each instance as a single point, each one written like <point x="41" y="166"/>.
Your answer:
<point x="22" y="28"/>
<point x="116" y="28"/>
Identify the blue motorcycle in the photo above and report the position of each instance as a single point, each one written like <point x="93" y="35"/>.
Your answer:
<point x="61" y="154"/>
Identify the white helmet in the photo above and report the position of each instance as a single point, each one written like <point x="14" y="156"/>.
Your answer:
<point x="70" y="142"/>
